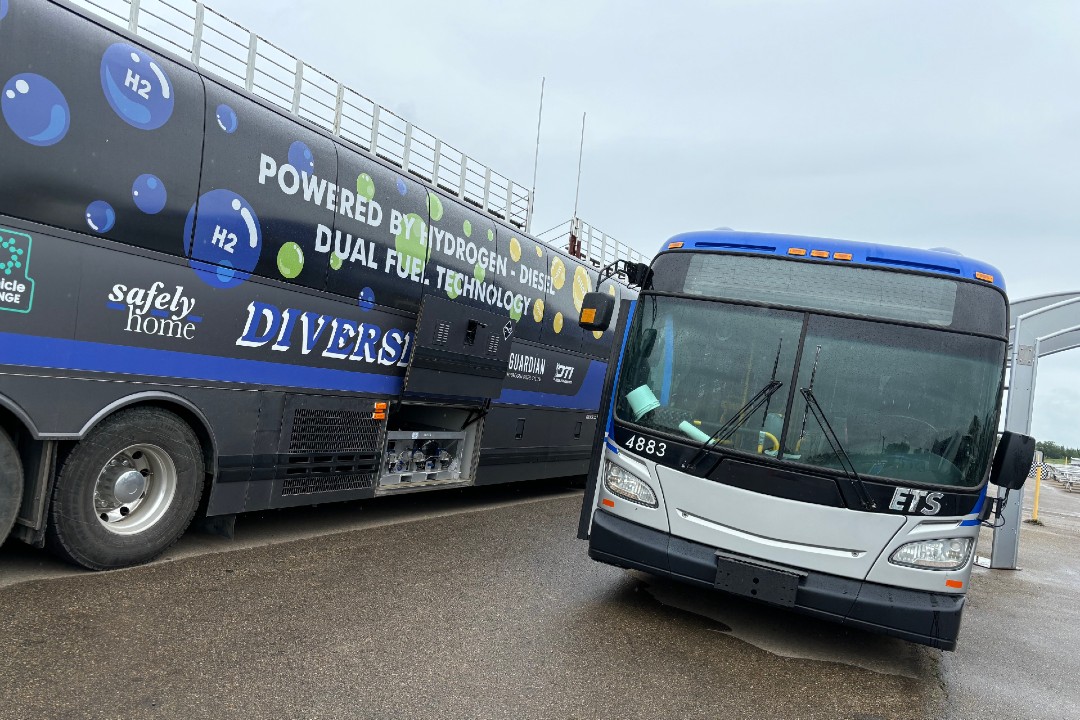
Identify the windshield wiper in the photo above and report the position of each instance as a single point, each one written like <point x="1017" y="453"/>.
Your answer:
<point x="837" y="447"/>
<point x="737" y="420"/>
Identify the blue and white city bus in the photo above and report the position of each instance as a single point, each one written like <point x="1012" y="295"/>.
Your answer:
<point x="806" y="422"/>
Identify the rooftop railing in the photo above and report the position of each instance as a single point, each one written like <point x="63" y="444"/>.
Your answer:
<point x="229" y="51"/>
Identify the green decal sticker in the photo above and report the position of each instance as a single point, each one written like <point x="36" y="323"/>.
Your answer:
<point x="491" y="235"/>
<point x="410" y="240"/>
<point x="290" y="260"/>
<point x="335" y="261"/>
<point x="16" y="285"/>
<point x="365" y="186"/>
<point x="479" y="272"/>
<point x="435" y="207"/>
<point x="467" y="227"/>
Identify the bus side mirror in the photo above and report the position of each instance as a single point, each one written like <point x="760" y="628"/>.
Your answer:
<point x="637" y="274"/>
<point x="1012" y="461"/>
<point x="596" y="311"/>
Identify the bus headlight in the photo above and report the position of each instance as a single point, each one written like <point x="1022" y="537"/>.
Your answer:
<point x="947" y="554"/>
<point x="626" y="485"/>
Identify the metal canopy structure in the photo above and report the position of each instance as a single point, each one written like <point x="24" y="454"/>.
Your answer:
<point x="1041" y="326"/>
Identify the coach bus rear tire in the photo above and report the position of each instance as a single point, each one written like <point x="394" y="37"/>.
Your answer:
<point x="127" y="491"/>
<point x="11" y="484"/>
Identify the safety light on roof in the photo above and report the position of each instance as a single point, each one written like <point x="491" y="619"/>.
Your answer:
<point x="674" y="246"/>
<point x="841" y="256"/>
<point x="984" y="277"/>
<point x="796" y="251"/>
<point x="819" y="253"/>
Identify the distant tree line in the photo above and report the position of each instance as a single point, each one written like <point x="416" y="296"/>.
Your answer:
<point x="1051" y="449"/>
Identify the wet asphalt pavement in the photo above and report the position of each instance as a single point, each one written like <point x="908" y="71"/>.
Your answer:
<point x="464" y="605"/>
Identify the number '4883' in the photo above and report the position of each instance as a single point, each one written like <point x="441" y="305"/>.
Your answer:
<point x="648" y="446"/>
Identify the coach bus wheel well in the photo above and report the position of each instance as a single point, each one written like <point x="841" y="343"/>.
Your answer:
<point x="193" y="420"/>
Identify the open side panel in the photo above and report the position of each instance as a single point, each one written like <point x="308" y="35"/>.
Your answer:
<point x="460" y="352"/>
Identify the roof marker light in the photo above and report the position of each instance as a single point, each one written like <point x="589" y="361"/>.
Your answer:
<point x="674" y="246"/>
<point x="841" y="256"/>
<point x="819" y="253"/>
<point x="984" y="277"/>
<point x="796" y="251"/>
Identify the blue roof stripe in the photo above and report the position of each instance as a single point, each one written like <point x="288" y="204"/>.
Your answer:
<point x="938" y="262"/>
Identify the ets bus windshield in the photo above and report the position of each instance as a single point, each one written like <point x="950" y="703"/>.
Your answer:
<point x="907" y="403"/>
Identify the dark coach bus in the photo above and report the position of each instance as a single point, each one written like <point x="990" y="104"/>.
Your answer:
<point x="206" y="301"/>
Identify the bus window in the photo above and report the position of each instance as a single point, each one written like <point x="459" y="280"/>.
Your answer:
<point x="910" y="404"/>
<point x="376" y="254"/>
<point x="268" y="191"/>
<point x="101" y="138"/>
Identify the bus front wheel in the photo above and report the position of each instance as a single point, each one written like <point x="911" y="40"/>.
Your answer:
<point x="127" y="491"/>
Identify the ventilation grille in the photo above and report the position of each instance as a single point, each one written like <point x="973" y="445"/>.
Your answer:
<point x="334" y="431"/>
<point x="306" y="474"/>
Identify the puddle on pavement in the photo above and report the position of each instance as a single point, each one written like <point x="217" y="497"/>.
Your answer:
<point x="789" y="634"/>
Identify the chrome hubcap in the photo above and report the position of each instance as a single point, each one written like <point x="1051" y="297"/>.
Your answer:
<point x="134" y="489"/>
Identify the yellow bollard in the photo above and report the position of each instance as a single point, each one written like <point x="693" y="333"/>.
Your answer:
<point x="1038" y="486"/>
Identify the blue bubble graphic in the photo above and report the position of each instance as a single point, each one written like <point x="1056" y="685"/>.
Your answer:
<point x="137" y="89"/>
<point x="35" y="109"/>
<point x="3" y="9"/>
<point x="226" y="244"/>
<point x="100" y="216"/>
<point x="300" y="157"/>
<point x="149" y="194"/>
<point x="366" y="299"/>
<point x="226" y="119"/>
<point x="401" y="186"/>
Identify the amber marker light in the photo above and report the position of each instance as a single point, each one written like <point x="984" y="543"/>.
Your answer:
<point x="674" y="246"/>
<point x="378" y="416"/>
<point x="606" y="502"/>
<point x="796" y="251"/>
<point x="984" y="277"/>
<point x="841" y="256"/>
<point x="588" y="315"/>
<point x="380" y="407"/>
<point x="819" y="253"/>
<point x="954" y="583"/>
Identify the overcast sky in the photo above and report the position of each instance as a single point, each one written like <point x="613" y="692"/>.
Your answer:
<point x="918" y="122"/>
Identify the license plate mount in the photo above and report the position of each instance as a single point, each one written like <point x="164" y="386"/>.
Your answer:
<point x="768" y="583"/>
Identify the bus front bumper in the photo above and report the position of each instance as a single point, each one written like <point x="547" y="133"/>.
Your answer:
<point x="921" y="617"/>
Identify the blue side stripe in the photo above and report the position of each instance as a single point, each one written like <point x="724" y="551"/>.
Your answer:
<point x="587" y="397"/>
<point x="977" y="509"/>
<point x="64" y="354"/>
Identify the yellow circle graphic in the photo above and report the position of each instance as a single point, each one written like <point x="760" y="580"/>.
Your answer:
<point x="515" y="249"/>
<point x="538" y="310"/>
<point x="558" y="273"/>
<point x="611" y="290"/>
<point x="582" y="285"/>
<point x="539" y="252"/>
<point x="597" y="334"/>
<point x="557" y="322"/>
